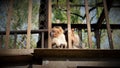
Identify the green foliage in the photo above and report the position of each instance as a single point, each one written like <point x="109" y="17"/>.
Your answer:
<point x="61" y="15"/>
<point x="75" y="19"/>
<point x="99" y="10"/>
<point x="19" y="22"/>
<point x="20" y="14"/>
<point x="59" y="12"/>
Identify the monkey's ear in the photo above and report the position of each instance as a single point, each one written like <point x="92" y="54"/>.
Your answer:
<point x="61" y="30"/>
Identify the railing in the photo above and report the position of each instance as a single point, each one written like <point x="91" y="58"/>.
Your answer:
<point x="88" y="26"/>
<point x="30" y="56"/>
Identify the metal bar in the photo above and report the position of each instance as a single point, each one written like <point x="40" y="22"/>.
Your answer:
<point x="49" y="23"/>
<point x="84" y="26"/>
<point x="88" y="24"/>
<point x="15" y="40"/>
<point x="78" y="5"/>
<point x="97" y="35"/>
<point x="43" y="41"/>
<point x="29" y="24"/>
<point x="108" y="25"/>
<point x="1" y="40"/>
<point x="68" y="24"/>
<point x="80" y="34"/>
<point x="8" y="24"/>
<point x="24" y="31"/>
<point x="79" y="26"/>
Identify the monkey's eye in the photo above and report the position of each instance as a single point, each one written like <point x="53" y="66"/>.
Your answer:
<point x="53" y="31"/>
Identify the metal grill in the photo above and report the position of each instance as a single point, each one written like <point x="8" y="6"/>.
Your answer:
<point x="45" y="19"/>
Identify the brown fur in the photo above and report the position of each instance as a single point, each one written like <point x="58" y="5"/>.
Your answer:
<point x="58" y="37"/>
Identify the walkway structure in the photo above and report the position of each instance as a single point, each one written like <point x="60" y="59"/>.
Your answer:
<point x="37" y="55"/>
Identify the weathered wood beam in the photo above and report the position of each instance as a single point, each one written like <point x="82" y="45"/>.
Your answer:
<point x="10" y="52"/>
<point x="8" y="24"/>
<point x="29" y="23"/>
<point x="68" y="24"/>
<point x="15" y="56"/>
<point x="49" y="21"/>
<point x="88" y="24"/>
<point x="108" y="25"/>
<point x="76" y="53"/>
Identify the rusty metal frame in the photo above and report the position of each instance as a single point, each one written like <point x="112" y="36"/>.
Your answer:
<point x="49" y="22"/>
<point x="108" y="25"/>
<point x="88" y="24"/>
<point x="29" y="23"/>
<point x="68" y="24"/>
<point x="8" y="24"/>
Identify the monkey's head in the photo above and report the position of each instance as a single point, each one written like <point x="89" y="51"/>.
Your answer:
<point x="56" y="31"/>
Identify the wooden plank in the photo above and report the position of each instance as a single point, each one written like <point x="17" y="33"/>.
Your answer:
<point x="15" y="56"/>
<point x="29" y="24"/>
<point x="76" y="53"/>
<point x="8" y="24"/>
<point x="11" y="52"/>
<point x="49" y="23"/>
<point x="15" y="60"/>
<point x="88" y="24"/>
<point x="68" y="24"/>
<point x="108" y="25"/>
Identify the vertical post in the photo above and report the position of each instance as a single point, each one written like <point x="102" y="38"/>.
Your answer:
<point x="68" y="24"/>
<point x="1" y="38"/>
<point x="42" y="21"/>
<point x="29" y="24"/>
<point x="42" y="44"/>
<point x="97" y="35"/>
<point x="15" y="40"/>
<point x="49" y="23"/>
<point x="108" y="25"/>
<point x="80" y="36"/>
<point x="8" y="24"/>
<point x="88" y="24"/>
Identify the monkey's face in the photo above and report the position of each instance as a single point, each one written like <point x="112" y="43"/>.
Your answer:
<point x="56" y="31"/>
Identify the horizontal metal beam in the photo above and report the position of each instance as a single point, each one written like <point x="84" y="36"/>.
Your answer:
<point x="78" y="5"/>
<point x="79" y="26"/>
<point x="24" y="31"/>
<point x="93" y="26"/>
